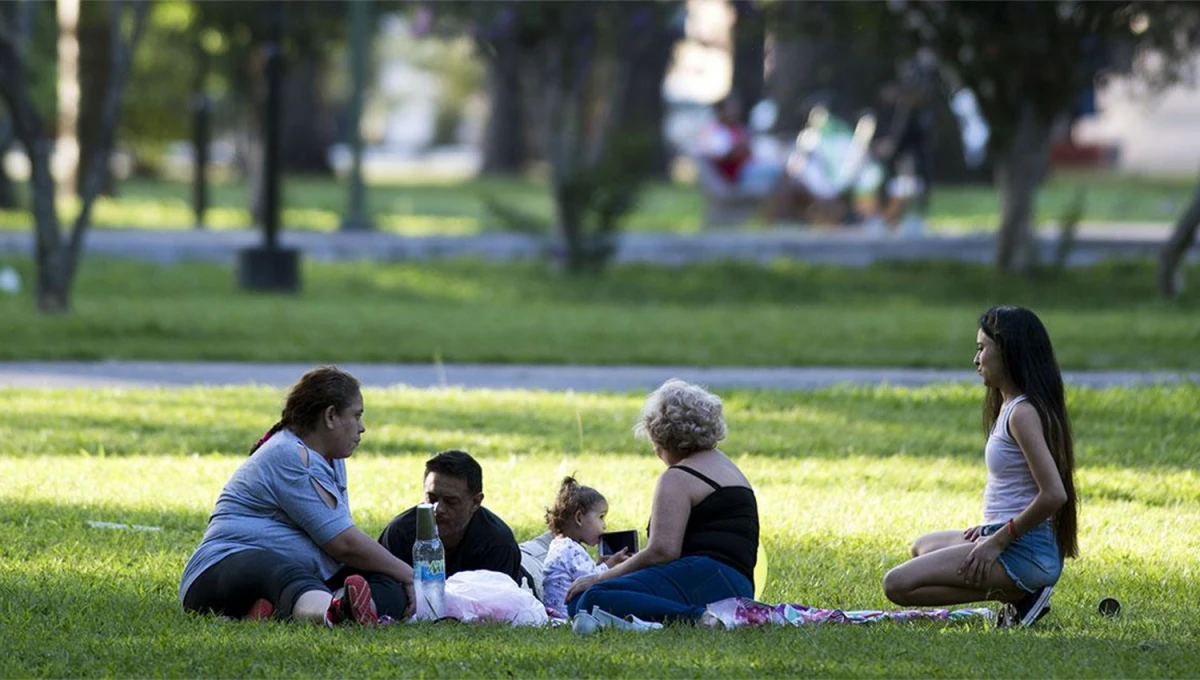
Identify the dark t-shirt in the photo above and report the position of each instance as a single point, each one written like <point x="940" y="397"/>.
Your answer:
<point x="488" y="543"/>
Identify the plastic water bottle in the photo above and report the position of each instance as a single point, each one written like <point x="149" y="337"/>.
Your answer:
<point x="429" y="567"/>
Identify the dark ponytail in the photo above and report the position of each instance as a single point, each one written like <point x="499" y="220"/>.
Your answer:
<point x="266" y="435"/>
<point x="317" y="390"/>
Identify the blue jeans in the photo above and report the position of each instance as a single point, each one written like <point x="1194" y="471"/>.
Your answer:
<point x="676" y="591"/>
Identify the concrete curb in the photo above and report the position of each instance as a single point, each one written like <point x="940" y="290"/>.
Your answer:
<point x="847" y="247"/>
<point x="68" y="374"/>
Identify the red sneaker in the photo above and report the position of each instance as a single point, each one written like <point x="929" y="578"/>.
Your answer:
<point x="261" y="609"/>
<point x="354" y="605"/>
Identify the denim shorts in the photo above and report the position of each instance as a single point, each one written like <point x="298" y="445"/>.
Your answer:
<point x="1033" y="560"/>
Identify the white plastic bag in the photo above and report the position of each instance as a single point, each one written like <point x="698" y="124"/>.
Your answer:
<point x="492" y="597"/>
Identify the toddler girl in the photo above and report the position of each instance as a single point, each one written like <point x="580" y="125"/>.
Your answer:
<point x="576" y="517"/>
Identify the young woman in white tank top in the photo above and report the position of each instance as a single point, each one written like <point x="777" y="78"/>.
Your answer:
<point x="1029" y="519"/>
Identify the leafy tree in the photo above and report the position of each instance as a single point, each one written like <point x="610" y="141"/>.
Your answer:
<point x="311" y="32"/>
<point x="57" y="254"/>
<point x="593" y="74"/>
<point x="583" y="57"/>
<point x="164" y="75"/>
<point x="1030" y="62"/>
<point x="514" y="37"/>
<point x="840" y="53"/>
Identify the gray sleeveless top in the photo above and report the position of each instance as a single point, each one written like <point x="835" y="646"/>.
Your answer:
<point x="1010" y="485"/>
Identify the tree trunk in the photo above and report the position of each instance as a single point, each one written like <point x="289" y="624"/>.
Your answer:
<point x="1170" y="275"/>
<point x="1019" y="175"/>
<point x="95" y="62"/>
<point x="644" y="111"/>
<point x="54" y="263"/>
<point x="504" y="149"/>
<point x="54" y="260"/>
<point x="57" y="254"/>
<point x="749" y="52"/>
<point x="19" y="17"/>
<point x="8" y="191"/>
<point x="307" y="124"/>
<point x="55" y="274"/>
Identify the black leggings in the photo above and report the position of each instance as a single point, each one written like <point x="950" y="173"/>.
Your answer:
<point x="230" y="587"/>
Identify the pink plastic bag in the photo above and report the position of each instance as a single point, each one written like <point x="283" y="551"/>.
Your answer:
<point x="492" y="597"/>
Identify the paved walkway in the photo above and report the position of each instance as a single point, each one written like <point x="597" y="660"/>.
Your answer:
<point x="29" y="374"/>
<point x="849" y="246"/>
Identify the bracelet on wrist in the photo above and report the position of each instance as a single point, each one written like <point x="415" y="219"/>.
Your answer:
<point x="1011" y="528"/>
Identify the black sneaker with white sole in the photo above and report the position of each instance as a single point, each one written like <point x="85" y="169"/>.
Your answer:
<point x="1028" y="610"/>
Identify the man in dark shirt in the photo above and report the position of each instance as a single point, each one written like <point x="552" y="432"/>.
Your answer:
<point x="473" y="536"/>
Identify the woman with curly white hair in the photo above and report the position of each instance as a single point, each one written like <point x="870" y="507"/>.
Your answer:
<point x="703" y="535"/>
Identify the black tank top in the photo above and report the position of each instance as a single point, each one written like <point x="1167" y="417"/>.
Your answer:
<point x="723" y="526"/>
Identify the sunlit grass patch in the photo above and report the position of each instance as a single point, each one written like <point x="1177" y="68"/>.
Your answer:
<point x="846" y="478"/>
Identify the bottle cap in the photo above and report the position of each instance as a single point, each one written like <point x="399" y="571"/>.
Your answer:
<point x="426" y="526"/>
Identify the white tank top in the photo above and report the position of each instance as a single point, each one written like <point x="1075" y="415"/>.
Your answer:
<point x="1010" y="485"/>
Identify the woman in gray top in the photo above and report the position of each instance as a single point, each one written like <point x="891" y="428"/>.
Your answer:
<point x="281" y="541"/>
<point x="1029" y="518"/>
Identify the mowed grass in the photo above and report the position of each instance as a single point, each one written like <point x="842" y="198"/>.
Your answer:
<point x="785" y="313"/>
<point x="845" y="479"/>
<point x="466" y="207"/>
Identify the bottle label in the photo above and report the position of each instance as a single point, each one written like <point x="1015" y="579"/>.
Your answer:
<point x="434" y="570"/>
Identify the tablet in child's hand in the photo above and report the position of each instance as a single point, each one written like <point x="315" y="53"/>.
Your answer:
<point x="612" y="542"/>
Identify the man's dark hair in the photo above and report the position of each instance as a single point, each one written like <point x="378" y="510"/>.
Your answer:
<point x="458" y="464"/>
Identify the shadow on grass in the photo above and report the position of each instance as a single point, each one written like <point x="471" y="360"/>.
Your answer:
<point x="900" y="288"/>
<point x="85" y="602"/>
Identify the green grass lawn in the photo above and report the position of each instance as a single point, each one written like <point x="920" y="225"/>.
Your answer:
<point x="846" y="478"/>
<point x="787" y="313"/>
<point x="421" y="208"/>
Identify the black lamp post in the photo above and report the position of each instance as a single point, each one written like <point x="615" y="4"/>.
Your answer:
<point x="200" y="137"/>
<point x="270" y="267"/>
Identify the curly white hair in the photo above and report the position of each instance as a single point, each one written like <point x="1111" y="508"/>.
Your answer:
<point x="682" y="418"/>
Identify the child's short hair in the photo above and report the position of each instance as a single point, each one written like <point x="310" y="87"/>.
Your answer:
<point x="571" y="498"/>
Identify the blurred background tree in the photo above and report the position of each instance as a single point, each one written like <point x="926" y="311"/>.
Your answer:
<point x="57" y="253"/>
<point x="575" y="74"/>
<point x="1030" y="64"/>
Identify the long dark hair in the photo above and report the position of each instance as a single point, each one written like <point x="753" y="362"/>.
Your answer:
<point x="571" y="498"/>
<point x="1029" y="360"/>
<point x="317" y="390"/>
